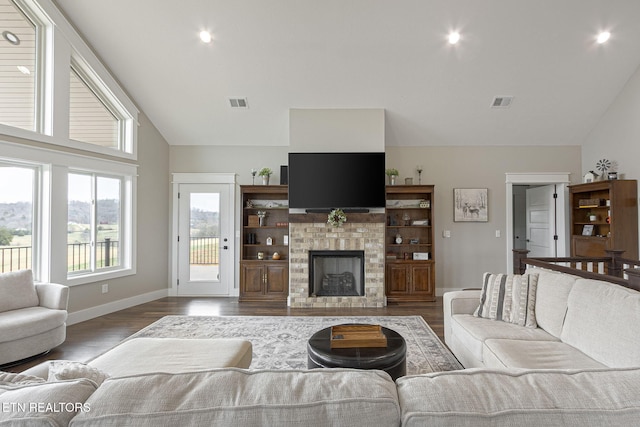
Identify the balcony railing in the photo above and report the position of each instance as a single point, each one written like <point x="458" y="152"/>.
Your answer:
<point x="13" y="258"/>
<point x="203" y="250"/>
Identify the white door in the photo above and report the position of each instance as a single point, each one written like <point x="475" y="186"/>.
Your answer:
<point x="205" y="243"/>
<point x="541" y="221"/>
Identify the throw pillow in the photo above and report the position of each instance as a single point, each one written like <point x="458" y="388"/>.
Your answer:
<point x="17" y="290"/>
<point x="510" y="298"/>
<point x="10" y="378"/>
<point x="68" y="370"/>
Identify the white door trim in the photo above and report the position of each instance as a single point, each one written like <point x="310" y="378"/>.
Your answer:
<point x="520" y="178"/>
<point x="198" y="178"/>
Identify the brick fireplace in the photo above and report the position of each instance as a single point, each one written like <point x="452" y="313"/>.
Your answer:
<point x="361" y="232"/>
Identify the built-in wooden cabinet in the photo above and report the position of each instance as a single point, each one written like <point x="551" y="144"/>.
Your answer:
<point x="264" y="248"/>
<point x="604" y="215"/>
<point x="409" y="243"/>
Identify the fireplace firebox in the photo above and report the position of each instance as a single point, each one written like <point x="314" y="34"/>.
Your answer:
<point x="336" y="273"/>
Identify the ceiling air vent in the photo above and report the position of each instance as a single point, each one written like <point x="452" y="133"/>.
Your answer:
<point x="238" y="103"/>
<point x="502" y="102"/>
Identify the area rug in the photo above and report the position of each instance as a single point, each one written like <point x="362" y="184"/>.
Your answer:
<point x="280" y="342"/>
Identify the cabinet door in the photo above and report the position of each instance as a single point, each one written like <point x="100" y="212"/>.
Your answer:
<point x="397" y="279"/>
<point x="251" y="279"/>
<point x="277" y="280"/>
<point x="422" y="279"/>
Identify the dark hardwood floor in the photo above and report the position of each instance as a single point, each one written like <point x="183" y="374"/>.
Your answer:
<point x="87" y="340"/>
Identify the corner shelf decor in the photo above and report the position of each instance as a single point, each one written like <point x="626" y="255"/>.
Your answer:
<point x="264" y="250"/>
<point x="409" y="244"/>
<point x="604" y="215"/>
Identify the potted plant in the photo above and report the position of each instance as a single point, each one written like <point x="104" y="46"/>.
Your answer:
<point x="392" y="173"/>
<point x="265" y="173"/>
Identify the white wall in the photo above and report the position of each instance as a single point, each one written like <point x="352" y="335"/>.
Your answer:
<point x="616" y="136"/>
<point x="336" y="130"/>
<point x="473" y="247"/>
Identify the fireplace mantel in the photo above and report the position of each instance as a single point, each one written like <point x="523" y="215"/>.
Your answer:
<point x="322" y="217"/>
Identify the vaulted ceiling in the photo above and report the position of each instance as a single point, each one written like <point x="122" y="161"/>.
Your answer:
<point x="282" y="54"/>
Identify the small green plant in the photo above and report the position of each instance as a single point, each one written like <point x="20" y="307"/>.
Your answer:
<point x="392" y="172"/>
<point x="265" y="172"/>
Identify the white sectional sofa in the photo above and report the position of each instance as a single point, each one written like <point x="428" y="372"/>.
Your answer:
<point x="581" y="324"/>
<point x="579" y="367"/>
<point x="32" y="316"/>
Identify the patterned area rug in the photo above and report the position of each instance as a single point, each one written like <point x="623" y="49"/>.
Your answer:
<point x="280" y="342"/>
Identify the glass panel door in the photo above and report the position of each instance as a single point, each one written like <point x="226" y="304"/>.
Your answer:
<point x="204" y="245"/>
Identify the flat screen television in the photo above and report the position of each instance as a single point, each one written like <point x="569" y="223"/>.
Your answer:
<point x="324" y="181"/>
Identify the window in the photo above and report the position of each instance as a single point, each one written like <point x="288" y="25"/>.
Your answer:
<point x="90" y="120"/>
<point x="94" y="226"/>
<point x="18" y="67"/>
<point x="17" y="207"/>
<point x="94" y="114"/>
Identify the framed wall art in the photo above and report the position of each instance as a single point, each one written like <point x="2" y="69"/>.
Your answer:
<point x="470" y="205"/>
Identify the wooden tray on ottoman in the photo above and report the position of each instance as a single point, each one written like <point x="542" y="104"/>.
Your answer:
<point x="352" y="336"/>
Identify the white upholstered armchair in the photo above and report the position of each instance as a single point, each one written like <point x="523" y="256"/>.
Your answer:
<point x="32" y="316"/>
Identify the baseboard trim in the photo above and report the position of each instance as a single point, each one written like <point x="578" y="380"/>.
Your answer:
<point x="101" y="310"/>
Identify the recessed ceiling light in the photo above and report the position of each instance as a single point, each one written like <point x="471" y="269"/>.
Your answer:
<point x="11" y="38"/>
<point x="453" y="37"/>
<point x="24" y="70"/>
<point x="603" y="37"/>
<point x="205" y="36"/>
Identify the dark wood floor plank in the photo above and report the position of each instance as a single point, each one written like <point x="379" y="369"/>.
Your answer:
<point x="88" y="339"/>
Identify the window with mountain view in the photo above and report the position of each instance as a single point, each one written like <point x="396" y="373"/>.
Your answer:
<point x="16" y="217"/>
<point x="94" y="222"/>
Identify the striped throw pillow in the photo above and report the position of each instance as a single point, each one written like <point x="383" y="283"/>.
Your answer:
<point x="510" y="298"/>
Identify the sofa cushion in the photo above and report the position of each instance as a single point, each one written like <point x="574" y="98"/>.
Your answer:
<point x="44" y="403"/>
<point x="30" y="321"/>
<point x="231" y="396"/>
<point x="174" y="355"/>
<point x="485" y="397"/>
<point x="17" y="290"/>
<point x="499" y="353"/>
<point x="551" y="298"/>
<point x="471" y="332"/>
<point x="600" y="322"/>
<point x="508" y="297"/>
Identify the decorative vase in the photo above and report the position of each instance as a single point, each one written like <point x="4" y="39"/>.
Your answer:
<point x="392" y="179"/>
<point x="265" y="180"/>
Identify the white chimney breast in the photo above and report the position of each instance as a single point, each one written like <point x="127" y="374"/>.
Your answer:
<point x="336" y="130"/>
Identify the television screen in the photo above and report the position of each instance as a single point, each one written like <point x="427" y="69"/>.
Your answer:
<point x="324" y="181"/>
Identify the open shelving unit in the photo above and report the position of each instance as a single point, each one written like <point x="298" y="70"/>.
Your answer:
<point x="409" y="244"/>
<point x="262" y="277"/>
<point x="604" y="215"/>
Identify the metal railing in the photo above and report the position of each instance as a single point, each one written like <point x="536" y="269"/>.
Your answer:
<point x="203" y="251"/>
<point x="13" y="258"/>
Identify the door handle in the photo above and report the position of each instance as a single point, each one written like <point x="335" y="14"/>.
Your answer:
<point x="225" y="247"/>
